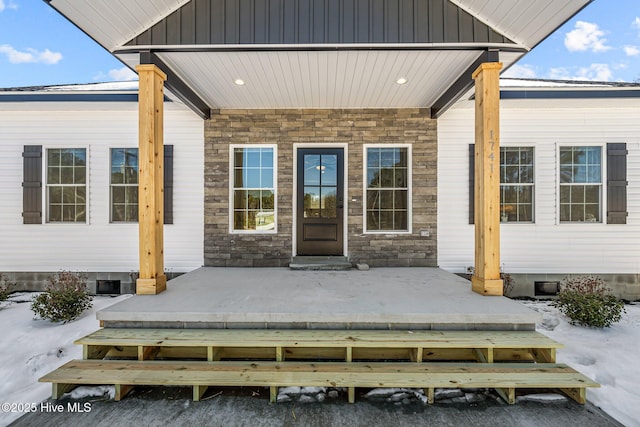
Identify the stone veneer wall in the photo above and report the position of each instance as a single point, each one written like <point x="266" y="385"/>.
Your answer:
<point x="287" y="127"/>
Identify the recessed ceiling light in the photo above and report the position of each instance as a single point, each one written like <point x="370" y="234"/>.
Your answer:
<point x="401" y="81"/>
<point x="239" y="82"/>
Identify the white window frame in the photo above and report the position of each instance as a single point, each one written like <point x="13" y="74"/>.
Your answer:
<point x="533" y="184"/>
<point x="232" y="148"/>
<point x="603" y="189"/>
<point x="46" y="185"/>
<point x="111" y="185"/>
<point x="409" y="229"/>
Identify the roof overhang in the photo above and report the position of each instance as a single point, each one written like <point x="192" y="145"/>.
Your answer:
<point x="442" y="45"/>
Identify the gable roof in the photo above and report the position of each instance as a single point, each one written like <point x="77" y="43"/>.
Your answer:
<point x="318" y="53"/>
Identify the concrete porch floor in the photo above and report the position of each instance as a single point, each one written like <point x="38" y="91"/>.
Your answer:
<point x="381" y="298"/>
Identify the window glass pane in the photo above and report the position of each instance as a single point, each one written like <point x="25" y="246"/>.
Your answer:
<point x="312" y="169"/>
<point x="387" y="157"/>
<point x="373" y="220"/>
<point x="80" y="158"/>
<point x="266" y="179"/>
<point x="131" y="213"/>
<point x="131" y="195"/>
<point x="566" y="156"/>
<point x="373" y="158"/>
<point x="53" y="157"/>
<point x="252" y="178"/>
<point x="373" y="199"/>
<point x="117" y="175"/>
<point x="577" y="194"/>
<point x="55" y="194"/>
<point x="579" y="174"/>
<point x="253" y="157"/>
<point x="577" y="212"/>
<point x="240" y="220"/>
<point x="66" y="158"/>
<point x="68" y="213"/>
<point x="268" y="200"/>
<point x="583" y="167"/>
<point x="592" y="194"/>
<point x="329" y="170"/>
<point x="66" y="175"/>
<point x="386" y="178"/>
<point x="253" y="199"/>
<point x="386" y="220"/>
<point x="400" y="220"/>
<point x="117" y="194"/>
<point x="373" y="178"/>
<point x="55" y="213"/>
<point x="312" y="202"/>
<point x="388" y="169"/>
<point x="79" y="175"/>
<point x="401" y="177"/>
<point x="400" y="199"/>
<point x="53" y="175"/>
<point x="524" y="213"/>
<point x="386" y="199"/>
<point x="565" y="194"/>
<point x="592" y="213"/>
<point x="328" y="202"/>
<point x="594" y="173"/>
<point x="117" y="213"/>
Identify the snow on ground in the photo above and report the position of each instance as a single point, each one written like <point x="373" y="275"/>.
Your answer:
<point x="32" y="348"/>
<point x="609" y="356"/>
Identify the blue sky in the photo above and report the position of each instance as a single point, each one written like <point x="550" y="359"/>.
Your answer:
<point x="39" y="47"/>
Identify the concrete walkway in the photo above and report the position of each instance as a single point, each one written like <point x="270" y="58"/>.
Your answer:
<point x="173" y="407"/>
<point x="398" y="298"/>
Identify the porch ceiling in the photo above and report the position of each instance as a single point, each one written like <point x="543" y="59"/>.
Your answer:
<point x="319" y="79"/>
<point x="329" y="75"/>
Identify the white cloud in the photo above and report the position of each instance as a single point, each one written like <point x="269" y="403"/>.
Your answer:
<point x="586" y="36"/>
<point x="7" y="5"/>
<point x="123" y="74"/>
<point x="634" y="24"/>
<point x="594" y="72"/>
<point x="30" y="55"/>
<point x="521" y="71"/>
<point x="631" y="50"/>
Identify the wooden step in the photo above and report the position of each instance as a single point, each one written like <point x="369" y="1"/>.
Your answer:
<point x="505" y="377"/>
<point x="423" y="344"/>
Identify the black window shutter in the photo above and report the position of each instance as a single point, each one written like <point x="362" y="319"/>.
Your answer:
<point x="617" y="183"/>
<point x="472" y="163"/>
<point x="168" y="184"/>
<point x="32" y="184"/>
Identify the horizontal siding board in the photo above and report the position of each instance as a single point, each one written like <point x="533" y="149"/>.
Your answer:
<point x="98" y="245"/>
<point x="546" y="246"/>
<point x="317" y="22"/>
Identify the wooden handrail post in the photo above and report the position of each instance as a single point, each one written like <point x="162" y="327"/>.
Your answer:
<point x="152" y="279"/>
<point x="486" y="278"/>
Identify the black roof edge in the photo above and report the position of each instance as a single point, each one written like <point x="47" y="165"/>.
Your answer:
<point x="22" y="96"/>
<point x="564" y="93"/>
<point x="462" y="85"/>
<point x="177" y="86"/>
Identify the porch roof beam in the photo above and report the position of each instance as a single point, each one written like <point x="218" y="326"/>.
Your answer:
<point x="463" y="84"/>
<point x="177" y="86"/>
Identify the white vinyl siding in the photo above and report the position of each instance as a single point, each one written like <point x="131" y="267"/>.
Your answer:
<point x="101" y="245"/>
<point x="546" y="246"/>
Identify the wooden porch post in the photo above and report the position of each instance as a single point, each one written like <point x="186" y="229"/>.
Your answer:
<point x="152" y="279"/>
<point x="486" y="278"/>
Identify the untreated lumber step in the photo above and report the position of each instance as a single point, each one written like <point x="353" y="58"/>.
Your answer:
<point x="505" y="377"/>
<point x="212" y="342"/>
